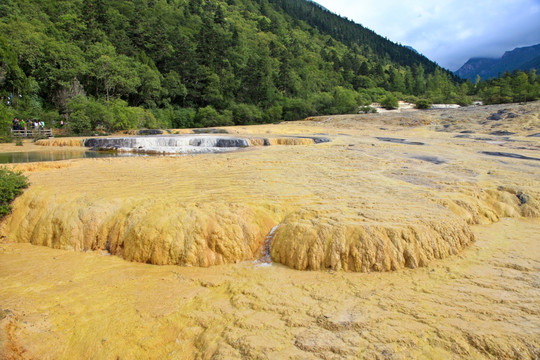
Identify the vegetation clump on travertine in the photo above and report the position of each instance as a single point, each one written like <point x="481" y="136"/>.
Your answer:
<point x="12" y="185"/>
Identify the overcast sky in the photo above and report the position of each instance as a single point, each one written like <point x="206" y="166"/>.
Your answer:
<point x="448" y="32"/>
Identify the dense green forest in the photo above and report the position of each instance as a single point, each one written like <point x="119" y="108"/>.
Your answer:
<point x="116" y="64"/>
<point x="518" y="86"/>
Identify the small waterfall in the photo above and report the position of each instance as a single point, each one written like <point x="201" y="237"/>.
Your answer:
<point x="169" y="144"/>
<point x="192" y="144"/>
<point x="266" y="258"/>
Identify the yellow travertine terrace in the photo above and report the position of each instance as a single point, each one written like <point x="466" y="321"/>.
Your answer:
<point x="388" y="192"/>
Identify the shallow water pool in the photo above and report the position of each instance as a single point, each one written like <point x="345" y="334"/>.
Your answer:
<point x="40" y="156"/>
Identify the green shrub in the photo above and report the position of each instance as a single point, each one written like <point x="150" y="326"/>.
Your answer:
<point x="80" y="123"/>
<point x="184" y="118"/>
<point x="364" y="98"/>
<point x="423" y="104"/>
<point x="463" y="101"/>
<point x="390" y="102"/>
<point x="244" y="114"/>
<point x="11" y="186"/>
<point x="374" y="93"/>
<point x="273" y="114"/>
<point x="296" y="108"/>
<point x="210" y="117"/>
<point x="86" y="115"/>
<point x="125" y="117"/>
<point x="174" y="117"/>
<point x="322" y="102"/>
<point x="346" y="101"/>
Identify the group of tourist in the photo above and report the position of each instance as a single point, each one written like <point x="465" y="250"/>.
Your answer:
<point x="29" y="124"/>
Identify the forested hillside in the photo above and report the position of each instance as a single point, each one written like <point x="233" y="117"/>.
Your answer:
<point x="120" y="64"/>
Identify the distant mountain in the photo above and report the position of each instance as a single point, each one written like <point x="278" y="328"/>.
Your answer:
<point x="525" y="58"/>
<point x="533" y="64"/>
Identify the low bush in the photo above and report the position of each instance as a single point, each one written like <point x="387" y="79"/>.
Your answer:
<point x="464" y="101"/>
<point x="244" y="114"/>
<point x="210" y="117"/>
<point x="389" y="102"/>
<point x="11" y="185"/>
<point x="273" y="114"/>
<point x="423" y="104"/>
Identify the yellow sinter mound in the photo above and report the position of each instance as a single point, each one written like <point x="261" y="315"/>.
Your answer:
<point x="61" y="142"/>
<point x="363" y="202"/>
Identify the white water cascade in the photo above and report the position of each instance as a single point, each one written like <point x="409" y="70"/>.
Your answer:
<point x="173" y="144"/>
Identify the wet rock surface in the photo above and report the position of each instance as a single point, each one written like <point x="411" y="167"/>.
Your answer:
<point x="501" y="133"/>
<point x="495" y="117"/>
<point x="510" y="155"/>
<point x="399" y="141"/>
<point x="432" y="159"/>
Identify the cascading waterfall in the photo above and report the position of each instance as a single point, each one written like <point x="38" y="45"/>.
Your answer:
<point x="169" y="144"/>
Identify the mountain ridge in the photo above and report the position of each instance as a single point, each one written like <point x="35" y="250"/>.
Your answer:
<point x="520" y="58"/>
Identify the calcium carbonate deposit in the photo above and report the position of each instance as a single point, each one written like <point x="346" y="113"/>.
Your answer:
<point x="417" y="235"/>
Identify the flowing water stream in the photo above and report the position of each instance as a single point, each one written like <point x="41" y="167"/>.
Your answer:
<point x="266" y="258"/>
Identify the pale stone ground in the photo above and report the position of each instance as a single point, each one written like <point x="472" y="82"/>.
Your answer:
<point x="357" y="203"/>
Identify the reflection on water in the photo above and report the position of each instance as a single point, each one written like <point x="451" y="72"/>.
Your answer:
<point x="38" y="156"/>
